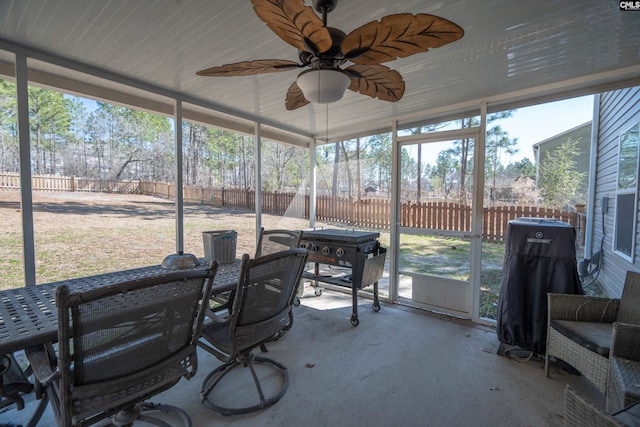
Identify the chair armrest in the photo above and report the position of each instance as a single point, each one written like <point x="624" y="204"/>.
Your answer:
<point x="578" y="412"/>
<point x="582" y="308"/>
<point x="624" y="342"/>
<point x="43" y="363"/>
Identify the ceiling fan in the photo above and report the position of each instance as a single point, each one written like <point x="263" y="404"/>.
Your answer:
<point x="324" y="50"/>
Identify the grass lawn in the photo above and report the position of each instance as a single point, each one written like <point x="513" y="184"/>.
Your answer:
<point x="81" y="234"/>
<point x="449" y="257"/>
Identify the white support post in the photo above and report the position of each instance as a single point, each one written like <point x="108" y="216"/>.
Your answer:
<point x="28" y="240"/>
<point x="258" y="192"/>
<point x="179" y="192"/>
<point x="313" y="191"/>
<point x="477" y="213"/>
<point x="394" y="238"/>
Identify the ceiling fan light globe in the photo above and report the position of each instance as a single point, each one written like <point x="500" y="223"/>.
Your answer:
<point x="323" y="86"/>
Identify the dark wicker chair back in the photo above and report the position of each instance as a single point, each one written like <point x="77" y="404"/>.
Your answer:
<point x="630" y="300"/>
<point x="579" y="328"/>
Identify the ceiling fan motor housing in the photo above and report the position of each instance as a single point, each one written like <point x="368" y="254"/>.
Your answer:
<point x="337" y="37"/>
<point x="332" y="57"/>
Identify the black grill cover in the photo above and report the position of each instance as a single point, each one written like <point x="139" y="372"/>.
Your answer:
<point x="540" y="257"/>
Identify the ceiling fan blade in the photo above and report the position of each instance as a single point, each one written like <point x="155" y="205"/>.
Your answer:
<point x="398" y="36"/>
<point x="249" y="68"/>
<point x="295" y="98"/>
<point x="376" y="81"/>
<point x="294" y="23"/>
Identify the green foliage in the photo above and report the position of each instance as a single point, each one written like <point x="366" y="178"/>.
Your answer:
<point x="362" y="162"/>
<point x="444" y="173"/>
<point x="444" y="177"/>
<point x="49" y="125"/>
<point x="522" y="168"/>
<point x="9" y="158"/>
<point x="284" y="168"/>
<point x="497" y="144"/>
<point x="378" y="167"/>
<point x="409" y="167"/>
<point x="121" y="143"/>
<point x="114" y="142"/>
<point x="559" y="180"/>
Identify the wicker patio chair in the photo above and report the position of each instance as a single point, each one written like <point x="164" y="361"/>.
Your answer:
<point x="13" y="383"/>
<point x="623" y="388"/>
<point x="578" y="412"/>
<point x="14" y="386"/>
<point x="271" y="241"/>
<point x="579" y="328"/>
<point x="122" y="344"/>
<point x="261" y="309"/>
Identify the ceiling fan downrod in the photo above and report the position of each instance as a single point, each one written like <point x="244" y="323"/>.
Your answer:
<point x="323" y="7"/>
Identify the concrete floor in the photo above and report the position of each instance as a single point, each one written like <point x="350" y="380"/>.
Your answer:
<point x="399" y="367"/>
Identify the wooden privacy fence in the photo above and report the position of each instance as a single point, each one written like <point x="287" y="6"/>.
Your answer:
<point x="496" y="219"/>
<point x="11" y="181"/>
<point x="290" y="204"/>
<point x="368" y="213"/>
<point x="365" y="213"/>
<point x="376" y="213"/>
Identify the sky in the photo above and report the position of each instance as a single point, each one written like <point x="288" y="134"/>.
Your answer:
<point x="537" y="123"/>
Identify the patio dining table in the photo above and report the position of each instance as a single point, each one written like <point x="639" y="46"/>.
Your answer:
<point x="28" y="315"/>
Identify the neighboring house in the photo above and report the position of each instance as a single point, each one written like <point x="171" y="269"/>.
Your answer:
<point x="582" y="134"/>
<point x="370" y="189"/>
<point x="613" y="219"/>
<point x="508" y="189"/>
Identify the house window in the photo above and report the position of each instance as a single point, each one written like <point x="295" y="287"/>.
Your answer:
<point x="626" y="193"/>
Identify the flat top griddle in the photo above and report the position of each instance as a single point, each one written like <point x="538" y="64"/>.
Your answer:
<point x="349" y="237"/>
<point x="358" y="251"/>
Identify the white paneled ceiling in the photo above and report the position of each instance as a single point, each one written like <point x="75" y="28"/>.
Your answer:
<point x="512" y="51"/>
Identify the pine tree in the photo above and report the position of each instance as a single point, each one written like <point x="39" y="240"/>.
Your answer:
<point x="559" y="180"/>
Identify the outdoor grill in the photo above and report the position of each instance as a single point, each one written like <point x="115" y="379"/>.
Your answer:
<point x="358" y="256"/>
<point x="540" y="257"/>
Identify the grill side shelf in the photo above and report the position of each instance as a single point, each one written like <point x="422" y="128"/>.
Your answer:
<point x="373" y="268"/>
